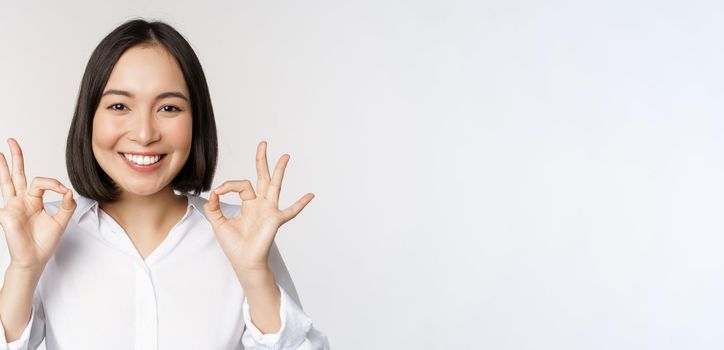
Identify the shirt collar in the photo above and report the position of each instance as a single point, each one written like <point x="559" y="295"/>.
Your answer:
<point x="85" y="205"/>
<point x="196" y="202"/>
<point x="88" y="205"/>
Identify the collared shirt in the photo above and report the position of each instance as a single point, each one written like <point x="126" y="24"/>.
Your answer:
<point x="97" y="292"/>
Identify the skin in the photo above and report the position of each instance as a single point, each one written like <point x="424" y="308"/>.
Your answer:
<point x="135" y="124"/>
<point x="141" y="123"/>
<point x="32" y="236"/>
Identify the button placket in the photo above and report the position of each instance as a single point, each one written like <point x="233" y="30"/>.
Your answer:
<point x="146" y="311"/>
<point x="146" y="306"/>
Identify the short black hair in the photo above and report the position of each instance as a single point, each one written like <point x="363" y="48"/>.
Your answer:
<point x="86" y="175"/>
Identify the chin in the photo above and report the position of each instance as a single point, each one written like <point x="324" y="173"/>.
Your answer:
<point x="141" y="190"/>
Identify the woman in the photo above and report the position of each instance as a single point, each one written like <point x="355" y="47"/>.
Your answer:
<point x="131" y="264"/>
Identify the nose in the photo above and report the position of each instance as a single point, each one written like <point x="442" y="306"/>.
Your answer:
<point x="144" y="128"/>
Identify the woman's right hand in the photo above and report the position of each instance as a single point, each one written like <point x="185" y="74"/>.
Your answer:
<point x="32" y="235"/>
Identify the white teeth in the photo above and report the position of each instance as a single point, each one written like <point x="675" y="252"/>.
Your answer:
<point x="142" y="160"/>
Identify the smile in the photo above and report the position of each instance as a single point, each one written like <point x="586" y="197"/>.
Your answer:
<point x="143" y="160"/>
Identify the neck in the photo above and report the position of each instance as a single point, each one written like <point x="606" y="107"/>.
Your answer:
<point x="149" y="214"/>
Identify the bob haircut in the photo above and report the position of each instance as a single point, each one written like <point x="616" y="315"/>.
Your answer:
<point x="86" y="175"/>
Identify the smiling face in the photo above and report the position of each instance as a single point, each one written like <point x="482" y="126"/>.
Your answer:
<point x="142" y="127"/>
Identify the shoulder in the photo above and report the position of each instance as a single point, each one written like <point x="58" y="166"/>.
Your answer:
<point x="84" y="204"/>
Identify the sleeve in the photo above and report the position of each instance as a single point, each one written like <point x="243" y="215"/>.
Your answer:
<point x="297" y="331"/>
<point x="34" y="332"/>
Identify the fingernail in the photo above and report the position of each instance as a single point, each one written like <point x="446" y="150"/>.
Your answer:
<point x="62" y="188"/>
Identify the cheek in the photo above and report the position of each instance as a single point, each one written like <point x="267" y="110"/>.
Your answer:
<point x="104" y="133"/>
<point x="179" y="134"/>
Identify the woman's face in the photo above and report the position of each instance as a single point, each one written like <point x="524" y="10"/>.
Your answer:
<point x="144" y="114"/>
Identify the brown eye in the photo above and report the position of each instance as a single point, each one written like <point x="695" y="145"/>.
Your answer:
<point x="111" y="107"/>
<point x="173" y="109"/>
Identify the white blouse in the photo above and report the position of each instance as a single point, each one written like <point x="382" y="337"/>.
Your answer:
<point x="97" y="292"/>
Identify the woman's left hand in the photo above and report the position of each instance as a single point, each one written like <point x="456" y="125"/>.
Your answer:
<point x="247" y="238"/>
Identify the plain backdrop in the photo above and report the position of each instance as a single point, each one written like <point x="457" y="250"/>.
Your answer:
<point x="488" y="174"/>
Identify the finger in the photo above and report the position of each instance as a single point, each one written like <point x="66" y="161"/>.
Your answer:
<point x="38" y="187"/>
<point x="262" y="169"/>
<point x="276" y="182"/>
<point x="242" y="186"/>
<point x="6" y="183"/>
<point x="67" y="207"/>
<point x="296" y="208"/>
<point x="213" y="210"/>
<point x="41" y="184"/>
<point x="18" y="174"/>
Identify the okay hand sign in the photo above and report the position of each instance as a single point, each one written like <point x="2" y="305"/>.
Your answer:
<point x="32" y="235"/>
<point x="247" y="238"/>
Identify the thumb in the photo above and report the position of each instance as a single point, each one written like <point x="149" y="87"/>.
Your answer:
<point x="67" y="207"/>
<point x="213" y="210"/>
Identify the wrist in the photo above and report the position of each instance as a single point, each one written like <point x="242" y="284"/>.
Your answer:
<point x="20" y="279"/>
<point x="258" y="277"/>
<point x="23" y="271"/>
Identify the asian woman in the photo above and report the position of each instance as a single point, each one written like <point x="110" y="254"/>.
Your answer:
<point x="138" y="260"/>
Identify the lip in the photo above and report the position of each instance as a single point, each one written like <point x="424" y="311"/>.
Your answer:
<point x="145" y="153"/>
<point x="143" y="168"/>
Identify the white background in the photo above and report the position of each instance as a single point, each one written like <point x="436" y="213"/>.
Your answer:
<point x="489" y="174"/>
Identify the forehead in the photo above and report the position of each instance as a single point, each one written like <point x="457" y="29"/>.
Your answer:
<point x="145" y="71"/>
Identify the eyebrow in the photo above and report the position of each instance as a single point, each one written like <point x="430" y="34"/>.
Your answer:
<point x="159" y="97"/>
